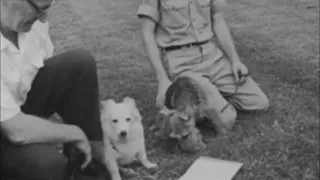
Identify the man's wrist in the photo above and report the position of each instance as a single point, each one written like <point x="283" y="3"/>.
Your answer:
<point x="76" y="134"/>
<point x="235" y="59"/>
<point x="162" y="76"/>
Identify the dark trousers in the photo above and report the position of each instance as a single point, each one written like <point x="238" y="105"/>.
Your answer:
<point x="67" y="85"/>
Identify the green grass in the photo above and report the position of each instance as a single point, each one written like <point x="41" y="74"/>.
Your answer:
<point x="277" y="39"/>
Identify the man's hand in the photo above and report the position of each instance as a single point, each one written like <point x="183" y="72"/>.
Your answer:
<point x="164" y="84"/>
<point x="84" y="147"/>
<point x="24" y="129"/>
<point x="240" y="71"/>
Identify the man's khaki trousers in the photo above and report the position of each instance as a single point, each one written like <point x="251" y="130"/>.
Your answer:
<point x="213" y="70"/>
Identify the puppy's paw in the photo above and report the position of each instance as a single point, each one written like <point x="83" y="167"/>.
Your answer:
<point x="150" y="165"/>
<point x="128" y="172"/>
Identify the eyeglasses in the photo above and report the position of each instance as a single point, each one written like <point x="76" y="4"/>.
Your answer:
<point x="39" y="10"/>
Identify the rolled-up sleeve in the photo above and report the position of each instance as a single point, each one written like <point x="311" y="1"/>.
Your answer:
<point x="9" y="107"/>
<point x="219" y="6"/>
<point x="42" y="28"/>
<point x="149" y="8"/>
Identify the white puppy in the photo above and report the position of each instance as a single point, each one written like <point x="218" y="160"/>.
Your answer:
<point x="123" y="135"/>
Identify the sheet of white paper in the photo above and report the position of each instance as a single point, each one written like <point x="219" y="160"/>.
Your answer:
<point x="206" y="168"/>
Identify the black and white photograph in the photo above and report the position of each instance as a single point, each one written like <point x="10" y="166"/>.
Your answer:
<point x="160" y="90"/>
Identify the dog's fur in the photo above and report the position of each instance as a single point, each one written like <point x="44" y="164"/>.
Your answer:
<point x="120" y="150"/>
<point x="187" y="105"/>
<point x="187" y="98"/>
<point x="183" y="102"/>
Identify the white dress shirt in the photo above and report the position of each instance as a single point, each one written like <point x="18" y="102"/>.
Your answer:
<point x="20" y="66"/>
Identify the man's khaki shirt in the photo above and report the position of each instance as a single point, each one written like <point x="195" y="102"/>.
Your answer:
<point x="181" y="22"/>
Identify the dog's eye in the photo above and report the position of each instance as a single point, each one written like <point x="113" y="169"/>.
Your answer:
<point x="128" y="119"/>
<point x="115" y="120"/>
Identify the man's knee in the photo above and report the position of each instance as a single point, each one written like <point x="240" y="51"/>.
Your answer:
<point x="225" y="119"/>
<point x="75" y="62"/>
<point x="81" y="59"/>
<point x="228" y="117"/>
<point x="261" y="102"/>
<point x="256" y="102"/>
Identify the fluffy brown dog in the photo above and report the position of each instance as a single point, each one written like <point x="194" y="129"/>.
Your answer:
<point x="187" y="105"/>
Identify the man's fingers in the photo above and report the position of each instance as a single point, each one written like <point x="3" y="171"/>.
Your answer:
<point x="236" y="75"/>
<point x="160" y="101"/>
<point x="244" y="75"/>
<point x="86" y="162"/>
<point x="160" y="105"/>
<point x="242" y="78"/>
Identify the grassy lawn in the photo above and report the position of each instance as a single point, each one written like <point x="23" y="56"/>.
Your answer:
<point x="277" y="39"/>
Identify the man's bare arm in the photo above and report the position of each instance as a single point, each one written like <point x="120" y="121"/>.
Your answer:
<point x="152" y="49"/>
<point x="27" y="129"/>
<point x="224" y="37"/>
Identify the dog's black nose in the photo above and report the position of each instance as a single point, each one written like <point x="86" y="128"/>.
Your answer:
<point x="123" y="133"/>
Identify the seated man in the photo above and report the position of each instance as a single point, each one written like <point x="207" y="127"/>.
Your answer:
<point x="34" y="85"/>
<point x="178" y="36"/>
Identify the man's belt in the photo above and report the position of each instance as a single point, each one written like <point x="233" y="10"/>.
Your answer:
<point x="171" y="48"/>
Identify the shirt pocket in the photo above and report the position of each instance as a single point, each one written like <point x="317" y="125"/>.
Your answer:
<point x="205" y="6"/>
<point x="205" y="3"/>
<point x="174" y="13"/>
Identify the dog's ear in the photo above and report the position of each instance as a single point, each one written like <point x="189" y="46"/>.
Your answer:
<point x="107" y="104"/>
<point x="136" y="114"/>
<point x="170" y="95"/>
<point x="177" y="89"/>
<point x="130" y="101"/>
<point x="106" y="108"/>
